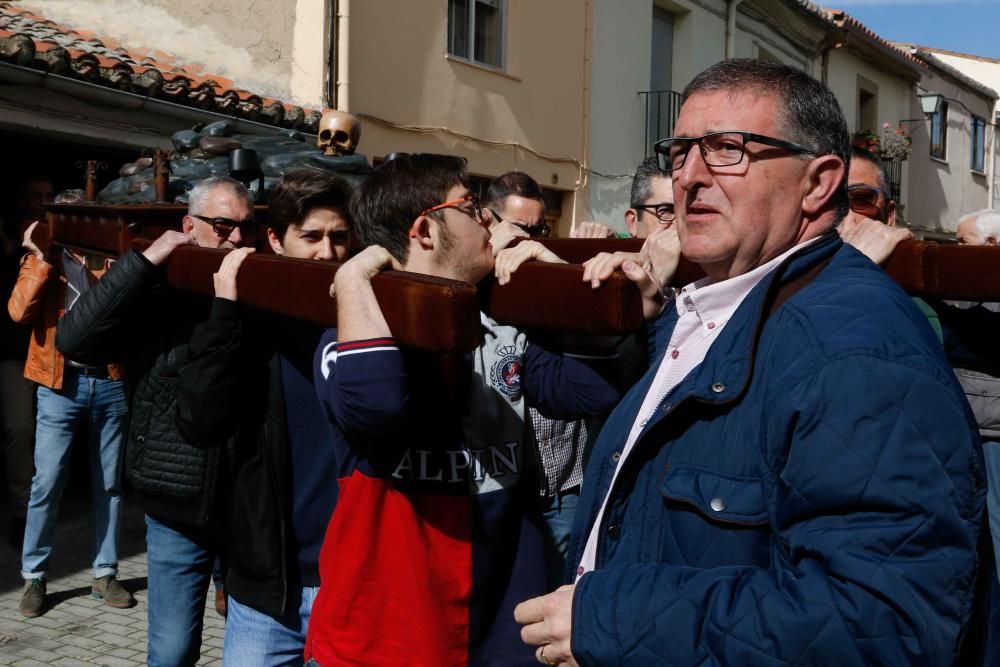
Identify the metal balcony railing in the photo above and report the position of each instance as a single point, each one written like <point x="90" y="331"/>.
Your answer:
<point x="894" y="172"/>
<point x="661" y="108"/>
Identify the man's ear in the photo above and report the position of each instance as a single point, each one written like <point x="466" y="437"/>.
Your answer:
<point x="991" y="240"/>
<point x="890" y="214"/>
<point x="632" y="222"/>
<point x="187" y="224"/>
<point x="425" y="232"/>
<point x="824" y="176"/>
<point x="274" y="242"/>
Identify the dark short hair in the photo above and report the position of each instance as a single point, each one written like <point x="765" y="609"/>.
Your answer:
<point x="513" y="183"/>
<point x="809" y="113"/>
<point x="394" y="195"/>
<point x="302" y="190"/>
<point x="647" y="170"/>
<point x="859" y="153"/>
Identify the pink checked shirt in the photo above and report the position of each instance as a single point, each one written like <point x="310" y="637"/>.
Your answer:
<point x="704" y="308"/>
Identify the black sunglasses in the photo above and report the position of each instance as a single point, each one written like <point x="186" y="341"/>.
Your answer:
<point x="225" y="226"/>
<point x="542" y="229"/>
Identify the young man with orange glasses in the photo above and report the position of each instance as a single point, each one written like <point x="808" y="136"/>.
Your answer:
<point x="435" y="536"/>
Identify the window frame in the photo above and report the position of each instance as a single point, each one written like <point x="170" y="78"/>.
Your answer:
<point x="942" y="120"/>
<point x="977" y="140"/>
<point x="470" y="28"/>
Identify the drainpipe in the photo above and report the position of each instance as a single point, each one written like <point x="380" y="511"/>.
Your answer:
<point x="343" y="37"/>
<point x="731" y="6"/>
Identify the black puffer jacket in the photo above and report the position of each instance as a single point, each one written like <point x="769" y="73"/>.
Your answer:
<point x="208" y="444"/>
<point x="127" y="316"/>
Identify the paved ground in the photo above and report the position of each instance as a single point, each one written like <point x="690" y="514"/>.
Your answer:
<point x="77" y="629"/>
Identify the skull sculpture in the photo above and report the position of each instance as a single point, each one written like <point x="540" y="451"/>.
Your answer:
<point x="339" y="133"/>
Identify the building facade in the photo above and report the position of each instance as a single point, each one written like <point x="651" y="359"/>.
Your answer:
<point x="573" y="92"/>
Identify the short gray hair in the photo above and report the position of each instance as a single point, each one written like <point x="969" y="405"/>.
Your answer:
<point x="987" y="222"/>
<point x="198" y="194"/>
<point x="642" y="182"/>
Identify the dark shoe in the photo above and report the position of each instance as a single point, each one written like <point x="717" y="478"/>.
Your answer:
<point x="33" y="600"/>
<point x="109" y="589"/>
<point x="220" y="601"/>
<point x="15" y="533"/>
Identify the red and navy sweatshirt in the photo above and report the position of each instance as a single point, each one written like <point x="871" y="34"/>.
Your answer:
<point x="435" y="538"/>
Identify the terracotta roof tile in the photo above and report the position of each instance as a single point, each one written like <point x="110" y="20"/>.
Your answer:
<point x="842" y="18"/>
<point x="31" y="40"/>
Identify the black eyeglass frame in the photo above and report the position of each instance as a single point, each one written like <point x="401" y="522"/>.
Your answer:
<point x="248" y="226"/>
<point x="661" y="148"/>
<point x="541" y="230"/>
<point x="654" y="207"/>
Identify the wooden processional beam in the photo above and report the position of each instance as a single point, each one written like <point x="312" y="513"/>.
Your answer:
<point x="443" y="315"/>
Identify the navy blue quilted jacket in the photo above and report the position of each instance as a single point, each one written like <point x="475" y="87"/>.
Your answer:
<point x="811" y="494"/>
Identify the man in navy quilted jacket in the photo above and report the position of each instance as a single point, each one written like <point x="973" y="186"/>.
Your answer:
<point x="797" y="479"/>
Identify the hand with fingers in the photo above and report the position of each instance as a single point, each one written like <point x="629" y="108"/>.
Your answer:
<point x="160" y="249"/>
<point x="872" y="238"/>
<point x="650" y="269"/>
<point x="28" y="242"/>
<point x="502" y="233"/>
<point x="225" y="277"/>
<point x="592" y="230"/>
<point x="661" y="253"/>
<point x="509" y="259"/>
<point x="547" y="622"/>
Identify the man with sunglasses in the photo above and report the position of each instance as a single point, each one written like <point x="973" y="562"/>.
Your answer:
<point x="435" y="536"/>
<point x="517" y="208"/>
<point x="770" y="493"/>
<point x="178" y="473"/>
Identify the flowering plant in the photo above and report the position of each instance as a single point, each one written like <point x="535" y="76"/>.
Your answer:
<point x="866" y="139"/>
<point x="894" y="143"/>
<point x="890" y="143"/>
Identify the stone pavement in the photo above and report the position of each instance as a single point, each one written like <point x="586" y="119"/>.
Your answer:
<point x="77" y="629"/>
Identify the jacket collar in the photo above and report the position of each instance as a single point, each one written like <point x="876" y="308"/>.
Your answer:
<point x="724" y="374"/>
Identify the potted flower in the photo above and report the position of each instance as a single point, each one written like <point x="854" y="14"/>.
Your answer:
<point x="866" y="139"/>
<point x="894" y="142"/>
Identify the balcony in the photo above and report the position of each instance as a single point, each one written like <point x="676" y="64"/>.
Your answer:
<point x="661" y="108"/>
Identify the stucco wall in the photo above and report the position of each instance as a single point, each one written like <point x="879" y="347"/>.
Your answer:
<point x="252" y="42"/>
<point x="986" y="72"/>
<point x="943" y="190"/>
<point x="399" y="72"/>
<point x="893" y="101"/>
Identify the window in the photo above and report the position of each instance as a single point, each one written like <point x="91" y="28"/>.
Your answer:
<point x="867" y="119"/>
<point x="978" y="143"/>
<point x="476" y="31"/>
<point x="939" y="132"/>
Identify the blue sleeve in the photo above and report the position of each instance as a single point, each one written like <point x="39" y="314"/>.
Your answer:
<point x="361" y="384"/>
<point x="874" y="506"/>
<point x="562" y="387"/>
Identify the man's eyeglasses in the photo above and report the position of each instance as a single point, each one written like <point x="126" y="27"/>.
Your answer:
<point x="718" y="149"/>
<point x="474" y="210"/>
<point x="534" y="231"/>
<point x="663" y="212"/>
<point x="864" y="200"/>
<point x="225" y="226"/>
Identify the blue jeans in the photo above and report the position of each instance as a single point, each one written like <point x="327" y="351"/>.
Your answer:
<point x="180" y="569"/>
<point x="559" y="513"/>
<point x="102" y="406"/>
<point x="254" y="638"/>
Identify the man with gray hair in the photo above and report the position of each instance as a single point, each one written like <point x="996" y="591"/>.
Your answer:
<point x="979" y="228"/>
<point x="797" y="479"/>
<point x="163" y="337"/>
